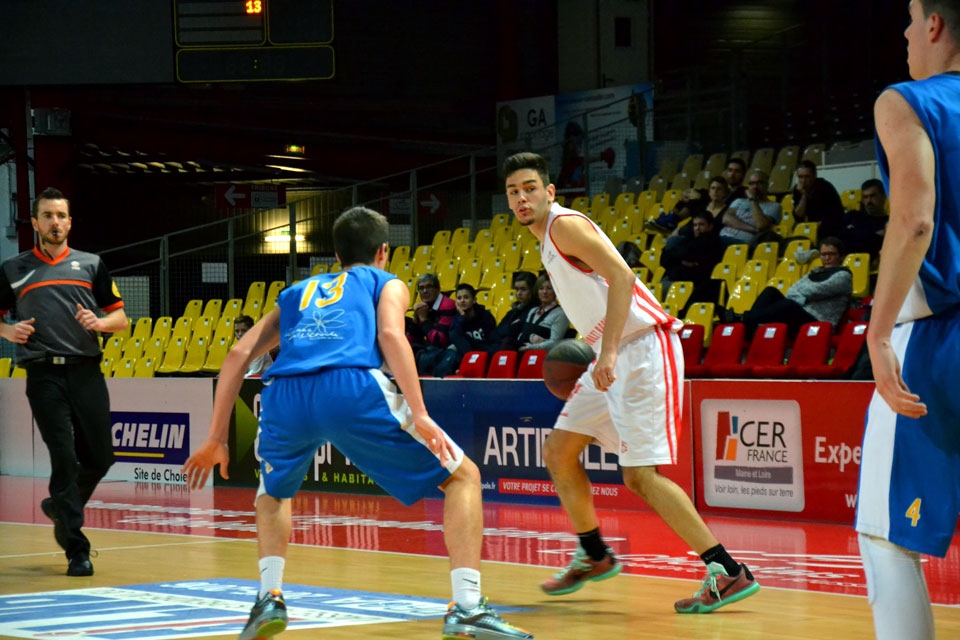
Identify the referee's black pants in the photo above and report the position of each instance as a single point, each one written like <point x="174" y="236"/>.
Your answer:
<point x="71" y="407"/>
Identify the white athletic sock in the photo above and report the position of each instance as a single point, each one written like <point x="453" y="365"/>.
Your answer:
<point x="466" y="587"/>
<point x="896" y="590"/>
<point x="271" y="574"/>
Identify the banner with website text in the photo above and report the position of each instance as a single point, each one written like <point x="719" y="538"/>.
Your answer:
<point x="780" y="449"/>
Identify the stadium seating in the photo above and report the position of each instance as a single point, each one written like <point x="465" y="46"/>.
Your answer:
<point x="703" y="314"/>
<point x="472" y="365"/>
<point x="767" y="348"/>
<point x="503" y="365"/>
<point x="691" y="340"/>
<point x="531" y="364"/>
<point x="5" y="367"/>
<point x="810" y="352"/>
<point x="726" y="347"/>
<point x="143" y="328"/>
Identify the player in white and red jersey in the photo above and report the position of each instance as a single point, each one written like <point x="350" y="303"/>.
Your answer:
<point x="629" y="400"/>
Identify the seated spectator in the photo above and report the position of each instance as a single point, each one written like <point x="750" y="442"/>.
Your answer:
<point x="546" y="323"/>
<point x="816" y="200"/>
<point x="714" y="200"/>
<point x="862" y="231"/>
<point x="429" y="329"/>
<point x="474" y="329"/>
<point x="512" y="324"/>
<point x="693" y="258"/>
<point x="735" y="173"/>
<point x="749" y="220"/>
<point x="259" y="365"/>
<point x="823" y="294"/>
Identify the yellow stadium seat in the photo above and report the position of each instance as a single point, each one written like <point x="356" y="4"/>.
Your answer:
<point x="466" y="250"/>
<point x="447" y="272"/>
<point x="216" y="354"/>
<point x="470" y="273"/>
<point x="650" y="259"/>
<point x="143" y="328"/>
<point x="851" y="199"/>
<point x="807" y="229"/>
<point x="678" y="294"/>
<point x="319" y="268"/>
<point x="400" y="253"/>
<point x="196" y="355"/>
<point x="441" y="237"/>
<point x="443" y="252"/>
<point x="106" y="368"/>
<point x="727" y="273"/>
<point x="182" y="328"/>
<point x="253" y="303"/>
<point x="153" y="349"/>
<point x="758" y="269"/>
<point x="132" y="348"/>
<point x="213" y="308"/>
<point x="113" y="348"/>
<point x="459" y="236"/>
<point x="744" y="293"/>
<point x="581" y="204"/>
<point x="203" y="327"/>
<point x="233" y="307"/>
<point x="146" y="367"/>
<point x="859" y="265"/>
<point x="193" y="309"/>
<point x="624" y="203"/>
<point x="737" y="254"/>
<point x="270" y="301"/>
<point x="702" y="313"/>
<point x="125" y="368"/>
<point x="670" y="199"/>
<point x="173" y="355"/>
<point x="788" y="270"/>
<point x="501" y="220"/>
<point x="224" y="329"/>
<point x="6" y="364"/>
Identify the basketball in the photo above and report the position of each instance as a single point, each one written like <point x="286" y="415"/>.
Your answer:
<point x="564" y="364"/>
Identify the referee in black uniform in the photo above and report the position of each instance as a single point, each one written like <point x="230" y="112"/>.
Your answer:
<point x="54" y="289"/>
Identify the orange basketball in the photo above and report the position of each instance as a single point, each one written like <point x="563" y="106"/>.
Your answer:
<point x="565" y="363"/>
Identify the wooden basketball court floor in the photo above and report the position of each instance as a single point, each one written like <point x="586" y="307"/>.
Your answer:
<point x="813" y="582"/>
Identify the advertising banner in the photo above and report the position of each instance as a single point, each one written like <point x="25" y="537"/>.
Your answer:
<point x="778" y="449"/>
<point x="155" y="425"/>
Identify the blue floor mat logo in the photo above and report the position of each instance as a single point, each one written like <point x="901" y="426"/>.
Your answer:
<point x="192" y="609"/>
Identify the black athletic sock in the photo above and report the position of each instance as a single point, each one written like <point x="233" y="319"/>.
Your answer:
<point x="593" y="544"/>
<point x="719" y="554"/>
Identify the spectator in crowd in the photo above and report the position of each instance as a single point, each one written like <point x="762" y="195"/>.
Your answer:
<point x="816" y="200"/>
<point x="735" y="173"/>
<point x="713" y="200"/>
<point x="748" y="219"/>
<point x="429" y="329"/>
<point x="510" y="327"/>
<point x="821" y="295"/>
<point x="474" y="329"/>
<point x="693" y="257"/>
<point x="258" y="365"/>
<point x="862" y="230"/>
<point x="546" y="324"/>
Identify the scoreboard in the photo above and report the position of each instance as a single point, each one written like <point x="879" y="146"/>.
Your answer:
<point x="253" y="40"/>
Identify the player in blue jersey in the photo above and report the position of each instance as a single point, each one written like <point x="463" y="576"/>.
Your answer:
<point x="336" y="331"/>
<point x="909" y="495"/>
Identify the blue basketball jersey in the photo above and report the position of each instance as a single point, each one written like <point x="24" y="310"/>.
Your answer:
<point x="936" y="101"/>
<point x="330" y="321"/>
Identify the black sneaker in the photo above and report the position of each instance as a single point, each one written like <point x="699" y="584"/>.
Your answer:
<point x="80" y="565"/>
<point x="59" y="530"/>
<point x="267" y="618"/>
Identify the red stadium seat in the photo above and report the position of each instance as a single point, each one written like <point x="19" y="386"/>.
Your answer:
<point x="848" y="349"/>
<point x="768" y="347"/>
<point x="691" y="339"/>
<point x="811" y="349"/>
<point x="503" y="365"/>
<point x="473" y="365"/>
<point x="726" y="347"/>
<point x="531" y="364"/>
